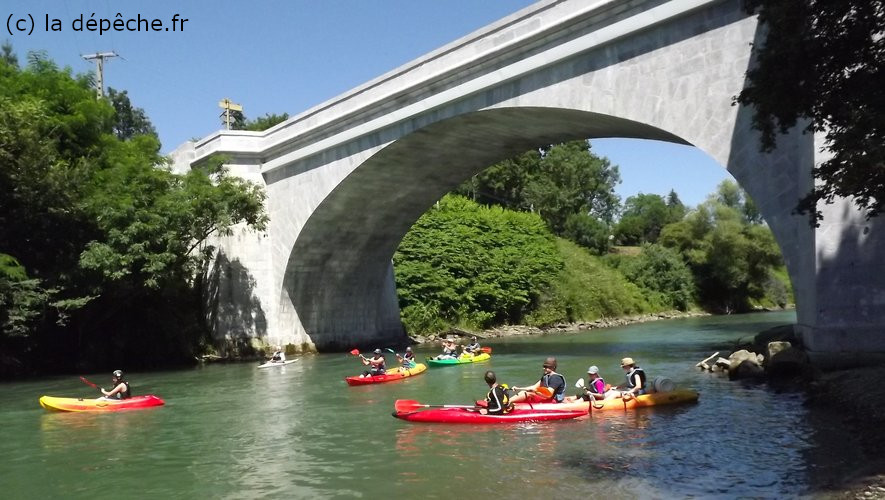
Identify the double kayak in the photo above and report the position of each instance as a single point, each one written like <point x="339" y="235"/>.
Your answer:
<point x="277" y="363"/>
<point x="81" y="404"/>
<point x="463" y="358"/>
<point x="472" y="416"/>
<point x="654" y="399"/>
<point x="390" y="376"/>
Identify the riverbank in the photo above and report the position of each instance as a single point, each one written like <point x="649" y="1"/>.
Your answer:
<point x="516" y="330"/>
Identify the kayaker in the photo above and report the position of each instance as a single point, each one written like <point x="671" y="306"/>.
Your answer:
<point x="278" y="356"/>
<point x="450" y="350"/>
<point x="595" y="387"/>
<point x="636" y="380"/>
<point x="550" y="379"/>
<point x="473" y="347"/>
<point x="121" y="387"/>
<point x="375" y="364"/>
<point x="497" y="400"/>
<point x="407" y="359"/>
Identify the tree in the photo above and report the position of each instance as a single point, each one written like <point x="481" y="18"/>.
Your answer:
<point x="129" y="121"/>
<point x="265" y="122"/>
<point x="572" y="180"/>
<point x="100" y="242"/>
<point x="824" y="62"/>
<point x="463" y="263"/>
<point x="643" y="217"/>
<point x="662" y="272"/>
<point x="7" y="55"/>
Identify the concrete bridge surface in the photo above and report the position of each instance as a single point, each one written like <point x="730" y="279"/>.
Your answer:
<point x="346" y="179"/>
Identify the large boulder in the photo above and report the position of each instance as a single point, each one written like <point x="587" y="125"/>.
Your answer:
<point x="784" y="360"/>
<point x="745" y="369"/>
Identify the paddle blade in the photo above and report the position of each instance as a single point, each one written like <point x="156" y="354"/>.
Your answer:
<point x="545" y="392"/>
<point x="355" y="352"/>
<point x="487" y="350"/>
<point x="391" y="350"/>
<point x="407" y="405"/>
<point x="88" y="382"/>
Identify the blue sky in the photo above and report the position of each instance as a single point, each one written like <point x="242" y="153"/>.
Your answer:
<point x="275" y="56"/>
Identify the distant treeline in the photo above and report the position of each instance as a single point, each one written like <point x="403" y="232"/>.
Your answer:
<point x="542" y="238"/>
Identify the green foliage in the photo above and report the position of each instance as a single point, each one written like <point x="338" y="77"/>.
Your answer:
<point x="265" y="122"/>
<point x="111" y="240"/>
<point x="821" y="66"/>
<point x="129" y="121"/>
<point x="731" y="258"/>
<point x="585" y="290"/>
<point x="462" y="263"/>
<point x="644" y="216"/>
<point x="663" y="275"/>
<point x="561" y="182"/>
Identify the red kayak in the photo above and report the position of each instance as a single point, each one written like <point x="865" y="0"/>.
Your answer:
<point x="471" y="416"/>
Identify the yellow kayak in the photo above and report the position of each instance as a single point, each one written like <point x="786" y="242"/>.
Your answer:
<point x="463" y="358"/>
<point x="655" y="399"/>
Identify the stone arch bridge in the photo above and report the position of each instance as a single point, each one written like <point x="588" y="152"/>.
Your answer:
<point x="346" y="179"/>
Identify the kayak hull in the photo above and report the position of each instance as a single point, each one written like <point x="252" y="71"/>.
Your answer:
<point x="656" y="399"/>
<point x="399" y="373"/>
<point x="460" y="360"/>
<point x="277" y="363"/>
<point x="466" y="416"/>
<point x="53" y="403"/>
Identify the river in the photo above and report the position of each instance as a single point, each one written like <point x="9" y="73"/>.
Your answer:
<point x="233" y="431"/>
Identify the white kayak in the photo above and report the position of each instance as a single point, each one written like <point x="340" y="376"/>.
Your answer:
<point x="277" y="363"/>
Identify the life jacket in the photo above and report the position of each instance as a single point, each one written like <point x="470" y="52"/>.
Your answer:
<point x="559" y="395"/>
<point x="636" y="370"/>
<point x="375" y="366"/>
<point x="123" y="394"/>
<point x="597" y="386"/>
<point x="504" y="399"/>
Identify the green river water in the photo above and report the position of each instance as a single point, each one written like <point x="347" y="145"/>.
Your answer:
<point x="234" y="431"/>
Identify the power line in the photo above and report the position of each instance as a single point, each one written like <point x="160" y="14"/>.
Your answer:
<point x="99" y="58"/>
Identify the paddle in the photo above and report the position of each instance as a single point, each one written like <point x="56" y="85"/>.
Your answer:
<point x="89" y="383"/>
<point x="410" y="405"/>
<point x="356" y="352"/>
<point x="541" y="391"/>
<point x="487" y="350"/>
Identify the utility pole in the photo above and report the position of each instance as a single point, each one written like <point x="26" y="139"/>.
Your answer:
<point x="99" y="68"/>
<point x="227" y="105"/>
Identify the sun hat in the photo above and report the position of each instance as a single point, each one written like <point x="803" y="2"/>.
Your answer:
<point x="627" y="361"/>
<point x="593" y="369"/>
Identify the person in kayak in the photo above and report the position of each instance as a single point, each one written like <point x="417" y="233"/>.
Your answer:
<point x="497" y="400"/>
<point x="636" y="381"/>
<point x="407" y="359"/>
<point x="555" y="382"/>
<point x="278" y="356"/>
<point x="473" y="347"/>
<point x="594" y="389"/>
<point x="121" y="387"/>
<point x="450" y="350"/>
<point x="375" y="364"/>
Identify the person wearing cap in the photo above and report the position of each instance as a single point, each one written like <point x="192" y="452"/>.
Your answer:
<point x="550" y="379"/>
<point x="497" y="400"/>
<point x="595" y="387"/>
<point x="473" y="347"/>
<point x="450" y="350"/>
<point x="407" y="359"/>
<point x="121" y="387"/>
<point x="375" y="364"/>
<point x="636" y="379"/>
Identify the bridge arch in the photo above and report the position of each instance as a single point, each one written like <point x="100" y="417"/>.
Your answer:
<point x="345" y="180"/>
